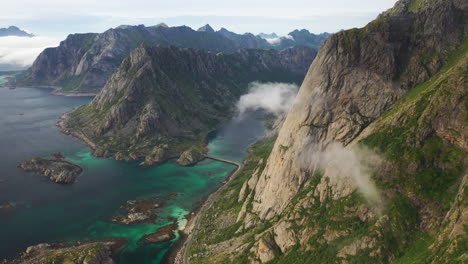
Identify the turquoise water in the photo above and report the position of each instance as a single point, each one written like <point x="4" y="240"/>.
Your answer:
<point x="47" y="212"/>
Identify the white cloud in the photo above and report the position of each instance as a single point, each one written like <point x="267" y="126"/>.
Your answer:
<point x="275" y="98"/>
<point x="273" y="41"/>
<point x="22" y="51"/>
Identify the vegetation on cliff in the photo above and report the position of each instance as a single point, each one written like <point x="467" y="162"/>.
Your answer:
<point x="163" y="101"/>
<point x="394" y="90"/>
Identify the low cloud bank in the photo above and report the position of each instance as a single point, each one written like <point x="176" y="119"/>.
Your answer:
<point x="22" y="51"/>
<point x="275" y="98"/>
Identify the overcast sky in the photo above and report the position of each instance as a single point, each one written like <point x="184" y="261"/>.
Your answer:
<point x="61" y="17"/>
<point x="53" y="20"/>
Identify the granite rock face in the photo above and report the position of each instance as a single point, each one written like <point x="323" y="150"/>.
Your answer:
<point x="393" y="92"/>
<point x="163" y="100"/>
<point x="357" y="75"/>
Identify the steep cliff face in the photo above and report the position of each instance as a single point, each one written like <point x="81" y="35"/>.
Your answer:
<point x="356" y="77"/>
<point x="370" y="163"/>
<point x="84" y="62"/>
<point x="162" y="100"/>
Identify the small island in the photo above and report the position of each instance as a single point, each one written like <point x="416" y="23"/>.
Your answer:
<point x="57" y="169"/>
<point x="138" y="212"/>
<point x="192" y="156"/>
<point x="163" y="234"/>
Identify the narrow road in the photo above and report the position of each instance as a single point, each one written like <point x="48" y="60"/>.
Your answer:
<point x="207" y="204"/>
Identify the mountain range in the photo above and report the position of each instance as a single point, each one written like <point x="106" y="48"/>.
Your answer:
<point x="162" y="101"/>
<point x="83" y="63"/>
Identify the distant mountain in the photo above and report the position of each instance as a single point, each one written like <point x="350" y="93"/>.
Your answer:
<point x="206" y="28"/>
<point x="83" y="63"/>
<point x="268" y="36"/>
<point x="302" y="38"/>
<point x="14" y="31"/>
<point x="162" y="101"/>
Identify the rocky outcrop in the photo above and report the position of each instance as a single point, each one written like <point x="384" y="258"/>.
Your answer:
<point x="138" y="212"/>
<point x="57" y="170"/>
<point x="192" y="156"/>
<point x="83" y="63"/>
<point x="163" y="100"/>
<point x="163" y="234"/>
<point x="96" y="252"/>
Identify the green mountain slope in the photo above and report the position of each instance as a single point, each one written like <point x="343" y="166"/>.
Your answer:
<point x="383" y="106"/>
<point x="164" y="100"/>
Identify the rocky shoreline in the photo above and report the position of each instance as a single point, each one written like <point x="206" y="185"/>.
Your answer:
<point x="162" y="234"/>
<point x="177" y="253"/>
<point x="103" y="251"/>
<point x="160" y="155"/>
<point x="56" y="169"/>
<point x="56" y="90"/>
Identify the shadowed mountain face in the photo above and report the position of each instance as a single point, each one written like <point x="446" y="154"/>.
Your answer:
<point x="84" y="62"/>
<point x="163" y="100"/>
<point x="14" y="31"/>
<point x="370" y="163"/>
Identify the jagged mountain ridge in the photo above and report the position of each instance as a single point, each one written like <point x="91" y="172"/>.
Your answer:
<point x="283" y="210"/>
<point x="164" y="100"/>
<point x="83" y="63"/>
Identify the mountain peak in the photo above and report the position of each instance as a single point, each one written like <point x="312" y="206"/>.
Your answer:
<point x="206" y="28"/>
<point x="161" y="25"/>
<point x="14" y="31"/>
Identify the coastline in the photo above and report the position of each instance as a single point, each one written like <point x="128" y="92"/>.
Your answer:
<point x="180" y="252"/>
<point x="79" y="136"/>
<point x="55" y="90"/>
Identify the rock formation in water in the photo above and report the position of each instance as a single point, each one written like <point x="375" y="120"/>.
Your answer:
<point x="56" y="169"/>
<point x="163" y="234"/>
<point x="192" y="156"/>
<point x="164" y="100"/>
<point x="96" y="252"/>
<point x="83" y="63"/>
<point x="138" y="212"/>
<point x="370" y="163"/>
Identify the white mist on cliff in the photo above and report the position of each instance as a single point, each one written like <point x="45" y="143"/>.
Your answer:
<point x="344" y="166"/>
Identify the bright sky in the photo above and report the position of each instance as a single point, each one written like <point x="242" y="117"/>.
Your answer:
<point x="61" y="17"/>
<point x="53" y="20"/>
